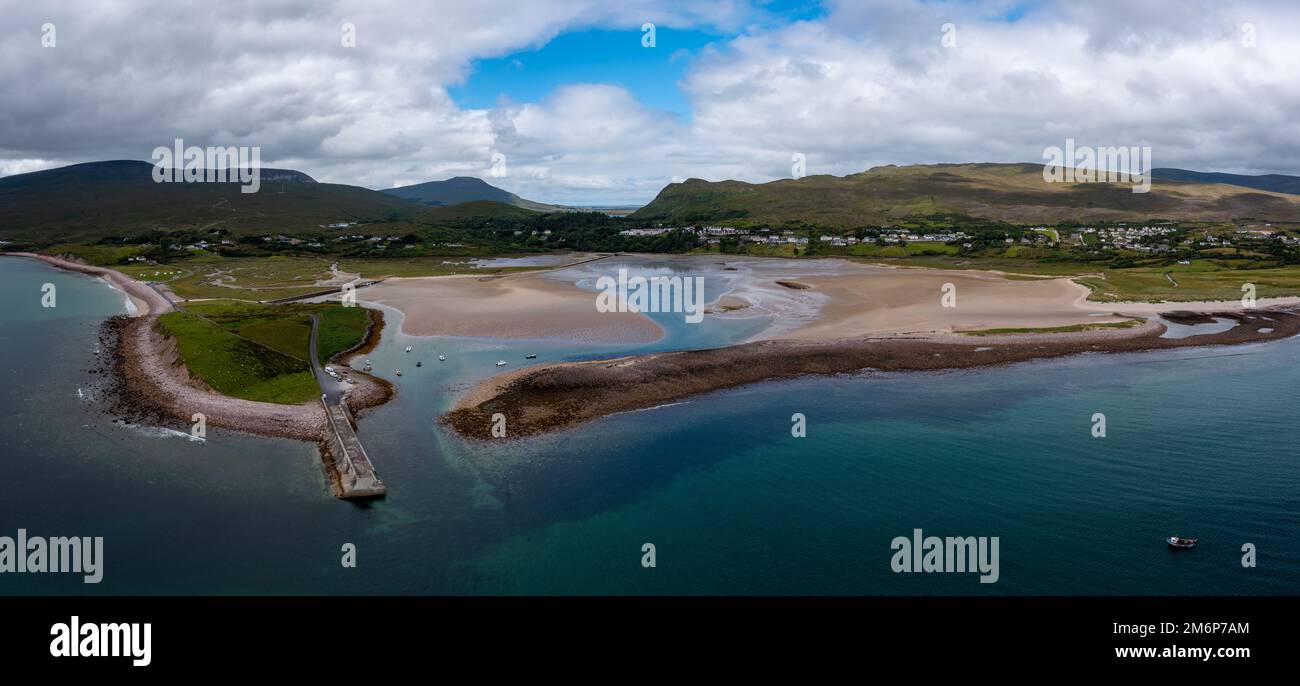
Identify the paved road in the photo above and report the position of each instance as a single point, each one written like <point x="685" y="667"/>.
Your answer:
<point x="329" y="387"/>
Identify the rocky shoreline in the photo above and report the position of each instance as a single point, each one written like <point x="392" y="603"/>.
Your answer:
<point x="153" y="383"/>
<point x="553" y="397"/>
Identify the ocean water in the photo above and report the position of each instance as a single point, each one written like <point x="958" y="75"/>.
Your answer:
<point x="1200" y="443"/>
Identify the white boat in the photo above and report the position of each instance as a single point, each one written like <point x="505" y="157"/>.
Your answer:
<point x="398" y="372"/>
<point x="502" y="363"/>
<point x="442" y="358"/>
<point x="408" y="348"/>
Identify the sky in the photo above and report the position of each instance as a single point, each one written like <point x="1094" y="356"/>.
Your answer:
<point x="586" y="110"/>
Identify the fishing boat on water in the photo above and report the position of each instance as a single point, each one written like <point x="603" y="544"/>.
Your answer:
<point x="1180" y="543"/>
<point x="501" y="363"/>
<point x="530" y="356"/>
<point x="408" y="348"/>
<point x="442" y="358"/>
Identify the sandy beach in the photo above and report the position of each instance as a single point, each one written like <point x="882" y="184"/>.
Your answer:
<point x="522" y="305"/>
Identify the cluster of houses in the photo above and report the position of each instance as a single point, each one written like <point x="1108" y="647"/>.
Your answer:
<point x="1122" y="237"/>
<point x="895" y="236"/>
<point x="1269" y="233"/>
<point x="288" y="240"/>
<point x="1160" y="238"/>
<point x="713" y="235"/>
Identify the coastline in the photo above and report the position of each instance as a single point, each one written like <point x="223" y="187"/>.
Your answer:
<point x="151" y="384"/>
<point x="145" y="299"/>
<point x="553" y="397"/>
<point x="154" y="382"/>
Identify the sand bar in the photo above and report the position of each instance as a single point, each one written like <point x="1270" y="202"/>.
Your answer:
<point x="557" y="396"/>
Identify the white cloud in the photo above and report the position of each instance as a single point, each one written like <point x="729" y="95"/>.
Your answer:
<point x="851" y="92"/>
<point x="867" y="84"/>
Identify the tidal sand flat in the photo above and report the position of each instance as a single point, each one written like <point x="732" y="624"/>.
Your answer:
<point x="521" y="306"/>
<point x="873" y="300"/>
<point x="832" y="298"/>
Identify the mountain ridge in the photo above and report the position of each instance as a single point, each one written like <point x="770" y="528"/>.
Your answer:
<point x="1005" y="192"/>
<point x="92" y="200"/>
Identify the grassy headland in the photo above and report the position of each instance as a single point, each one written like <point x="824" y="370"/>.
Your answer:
<point x="260" y="352"/>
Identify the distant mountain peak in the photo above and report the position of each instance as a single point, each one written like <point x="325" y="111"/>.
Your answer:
<point x="460" y="189"/>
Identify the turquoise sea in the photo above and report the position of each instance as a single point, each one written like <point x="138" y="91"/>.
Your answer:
<point x="1200" y="442"/>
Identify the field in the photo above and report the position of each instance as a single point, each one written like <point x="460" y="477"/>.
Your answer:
<point x="1193" y="283"/>
<point x="909" y="250"/>
<point x="236" y="366"/>
<point x="249" y="278"/>
<point x="341" y="328"/>
<point x="1073" y="328"/>
<point x="260" y="352"/>
<point x="382" y="268"/>
<point x="1200" y="280"/>
<point x="261" y="279"/>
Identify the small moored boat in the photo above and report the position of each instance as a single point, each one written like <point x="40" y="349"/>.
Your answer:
<point x="442" y="358"/>
<point x="530" y="356"/>
<point x="398" y="372"/>
<point x="1181" y="543"/>
<point x="501" y="363"/>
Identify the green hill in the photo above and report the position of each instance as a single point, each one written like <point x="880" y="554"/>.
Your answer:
<point x="85" y="202"/>
<point x="463" y="189"/>
<point x="1003" y="192"/>
<point x="475" y="209"/>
